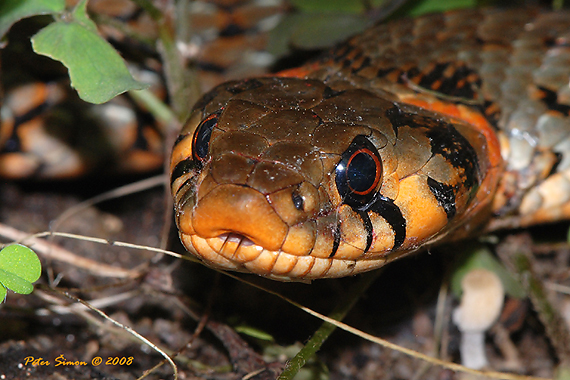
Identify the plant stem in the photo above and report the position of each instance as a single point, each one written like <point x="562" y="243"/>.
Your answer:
<point x="182" y="82"/>
<point x="516" y="255"/>
<point x="320" y="336"/>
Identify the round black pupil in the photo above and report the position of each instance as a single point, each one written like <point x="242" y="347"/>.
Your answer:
<point x="361" y="172"/>
<point x="202" y="140"/>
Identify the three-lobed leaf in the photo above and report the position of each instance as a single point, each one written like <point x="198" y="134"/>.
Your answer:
<point x="19" y="268"/>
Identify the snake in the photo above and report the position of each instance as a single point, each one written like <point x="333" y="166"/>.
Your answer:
<point x="413" y="133"/>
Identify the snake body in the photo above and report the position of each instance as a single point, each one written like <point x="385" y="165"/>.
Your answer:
<point x="414" y="132"/>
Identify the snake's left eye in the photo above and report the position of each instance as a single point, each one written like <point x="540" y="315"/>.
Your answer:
<point x="359" y="172"/>
<point x="201" y="138"/>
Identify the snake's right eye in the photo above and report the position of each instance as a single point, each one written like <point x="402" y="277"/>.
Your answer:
<point x="201" y="139"/>
<point x="359" y="173"/>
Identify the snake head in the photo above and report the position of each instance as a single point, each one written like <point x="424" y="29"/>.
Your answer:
<point x="295" y="179"/>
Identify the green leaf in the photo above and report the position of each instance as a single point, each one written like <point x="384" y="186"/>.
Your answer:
<point x="12" y="11"/>
<point x="254" y="333"/>
<point x="431" y="6"/>
<point x="313" y="31"/>
<point x="80" y="15"/>
<point x="15" y="282"/>
<point x="3" y="293"/>
<point x="19" y="268"/>
<point x="481" y="257"/>
<point x="346" y="6"/>
<point x="97" y="71"/>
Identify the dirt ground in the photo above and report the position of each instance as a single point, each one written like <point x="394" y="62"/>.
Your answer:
<point x="215" y="320"/>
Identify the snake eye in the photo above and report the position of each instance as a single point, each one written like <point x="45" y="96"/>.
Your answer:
<point x="201" y="139"/>
<point x="359" y="172"/>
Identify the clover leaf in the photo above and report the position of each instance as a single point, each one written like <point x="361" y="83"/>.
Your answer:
<point x="19" y="268"/>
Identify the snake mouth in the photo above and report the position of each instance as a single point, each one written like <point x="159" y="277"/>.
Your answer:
<point x="236" y="252"/>
<point x="233" y="238"/>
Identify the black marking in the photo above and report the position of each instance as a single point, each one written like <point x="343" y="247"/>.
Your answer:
<point x="189" y="194"/>
<point x="336" y="242"/>
<point x="445" y="196"/>
<point x="144" y="121"/>
<point x="330" y="93"/>
<point x="368" y="228"/>
<point x="456" y="150"/>
<point x="550" y="41"/>
<point x="358" y="55"/>
<point x="208" y="97"/>
<point x="559" y="156"/>
<point x="366" y="62"/>
<point x="244" y="85"/>
<point x="381" y="73"/>
<point x="340" y="52"/>
<point x="386" y="208"/>
<point x="349" y="61"/>
<point x="232" y="30"/>
<point x="32" y="114"/>
<point x="409" y="75"/>
<point x="12" y="145"/>
<point x="189" y="182"/>
<point x="393" y="114"/>
<point x="399" y="118"/>
<point x="179" y="138"/>
<point x="182" y="168"/>
<point x="550" y="99"/>
<point x="210" y="67"/>
<point x="434" y="75"/>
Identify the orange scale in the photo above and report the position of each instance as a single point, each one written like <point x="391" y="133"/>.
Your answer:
<point x="302" y="267"/>
<point x="424" y="216"/>
<point x="319" y="269"/>
<point x="368" y="265"/>
<point x="284" y="264"/>
<point x="342" y="268"/>
<point x="205" y="252"/>
<point x="229" y="249"/>
<point x="246" y="253"/>
<point x="263" y="264"/>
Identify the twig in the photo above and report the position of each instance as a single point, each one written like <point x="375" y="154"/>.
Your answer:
<point x="55" y="252"/>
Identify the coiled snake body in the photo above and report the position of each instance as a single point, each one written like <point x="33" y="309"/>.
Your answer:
<point x="414" y="132"/>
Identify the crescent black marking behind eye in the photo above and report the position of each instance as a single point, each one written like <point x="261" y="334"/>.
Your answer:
<point x="201" y="138"/>
<point x="359" y="172"/>
<point x="386" y="208"/>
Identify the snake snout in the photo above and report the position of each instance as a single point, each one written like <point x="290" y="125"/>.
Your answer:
<point x="235" y="211"/>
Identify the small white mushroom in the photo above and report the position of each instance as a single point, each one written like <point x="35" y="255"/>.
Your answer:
<point x="481" y="305"/>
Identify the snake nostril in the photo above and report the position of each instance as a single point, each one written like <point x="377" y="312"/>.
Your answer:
<point x="298" y="201"/>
